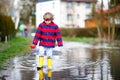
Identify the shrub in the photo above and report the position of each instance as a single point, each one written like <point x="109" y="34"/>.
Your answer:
<point x="117" y="32"/>
<point x="7" y="27"/>
<point x="88" y="32"/>
<point x="79" y="32"/>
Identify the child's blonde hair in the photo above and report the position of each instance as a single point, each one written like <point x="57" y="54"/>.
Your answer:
<point x="48" y="16"/>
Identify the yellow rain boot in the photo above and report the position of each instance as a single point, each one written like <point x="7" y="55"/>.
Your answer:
<point x="41" y="62"/>
<point x="49" y="74"/>
<point x="41" y="75"/>
<point x="49" y="61"/>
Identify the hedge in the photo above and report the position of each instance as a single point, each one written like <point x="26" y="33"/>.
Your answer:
<point x="79" y="32"/>
<point x="87" y="32"/>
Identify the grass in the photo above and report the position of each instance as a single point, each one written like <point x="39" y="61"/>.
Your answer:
<point x="16" y="46"/>
<point x="80" y="39"/>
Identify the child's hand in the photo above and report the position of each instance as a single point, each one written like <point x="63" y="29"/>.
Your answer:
<point x="33" y="46"/>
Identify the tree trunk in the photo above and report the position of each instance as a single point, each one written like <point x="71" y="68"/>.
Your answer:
<point x="113" y="27"/>
<point x="95" y="16"/>
<point x="109" y="37"/>
<point x="102" y="21"/>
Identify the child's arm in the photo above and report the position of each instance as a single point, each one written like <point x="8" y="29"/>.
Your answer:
<point x="36" y="37"/>
<point x="33" y="46"/>
<point x="59" y="37"/>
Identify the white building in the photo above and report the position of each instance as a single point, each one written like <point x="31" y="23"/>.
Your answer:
<point x="67" y="13"/>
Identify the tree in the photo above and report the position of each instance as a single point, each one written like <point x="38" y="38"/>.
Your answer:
<point x="99" y="18"/>
<point x="6" y="6"/>
<point x="114" y="16"/>
<point x="95" y="16"/>
<point x="114" y="2"/>
<point x="18" y="9"/>
<point x="27" y="11"/>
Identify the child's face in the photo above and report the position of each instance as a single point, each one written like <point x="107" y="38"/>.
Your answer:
<point x="47" y="21"/>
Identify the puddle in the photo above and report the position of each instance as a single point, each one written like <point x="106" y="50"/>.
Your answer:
<point x="72" y="63"/>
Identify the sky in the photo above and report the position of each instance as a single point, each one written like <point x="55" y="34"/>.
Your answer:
<point x="105" y="2"/>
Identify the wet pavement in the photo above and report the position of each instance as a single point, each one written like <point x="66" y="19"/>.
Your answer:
<point x="74" y="61"/>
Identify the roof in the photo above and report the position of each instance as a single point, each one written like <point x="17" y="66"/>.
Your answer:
<point x="70" y="0"/>
<point x="43" y="0"/>
<point x="81" y="0"/>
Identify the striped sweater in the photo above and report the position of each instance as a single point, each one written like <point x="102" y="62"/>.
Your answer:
<point x="47" y="35"/>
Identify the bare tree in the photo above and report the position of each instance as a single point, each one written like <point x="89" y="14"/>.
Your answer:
<point x="22" y="9"/>
<point x="113" y="17"/>
<point x="99" y="19"/>
<point x="95" y="16"/>
<point x="6" y="6"/>
<point x="28" y="7"/>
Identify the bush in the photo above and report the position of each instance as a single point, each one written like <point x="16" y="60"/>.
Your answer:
<point x="7" y="27"/>
<point x="79" y="32"/>
<point x="117" y="32"/>
<point x="88" y="32"/>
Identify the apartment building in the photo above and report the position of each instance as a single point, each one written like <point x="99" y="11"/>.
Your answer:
<point x="67" y="13"/>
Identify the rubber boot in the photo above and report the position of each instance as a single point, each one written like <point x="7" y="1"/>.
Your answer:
<point x="41" y="74"/>
<point x="41" y="62"/>
<point x="49" y="74"/>
<point x="49" y="61"/>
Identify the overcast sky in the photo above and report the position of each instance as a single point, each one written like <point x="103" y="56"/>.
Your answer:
<point x="105" y="2"/>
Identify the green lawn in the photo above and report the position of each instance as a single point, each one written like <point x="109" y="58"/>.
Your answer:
<point x="16" y="46"/>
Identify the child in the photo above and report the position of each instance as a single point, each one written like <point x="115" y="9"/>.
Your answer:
<point x="21" y="28"/>
<point x="26" y="31"/>
<point x="47" y="34"/>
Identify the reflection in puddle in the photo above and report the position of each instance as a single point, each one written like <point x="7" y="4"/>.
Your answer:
<point x="86" y="64"/>
<point x="41" y="75"/>
<point x="71" y="64"/>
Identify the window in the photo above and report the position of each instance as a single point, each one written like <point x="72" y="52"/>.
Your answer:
<point x="53" y="4"/>
<point x="78" y="16"/>
<point x="87" y="16"/>
<point x="78" y="3"/>
<point x="69" y="17"/>
<point x="69" y="4"/>
<point x="87" y="5"/>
